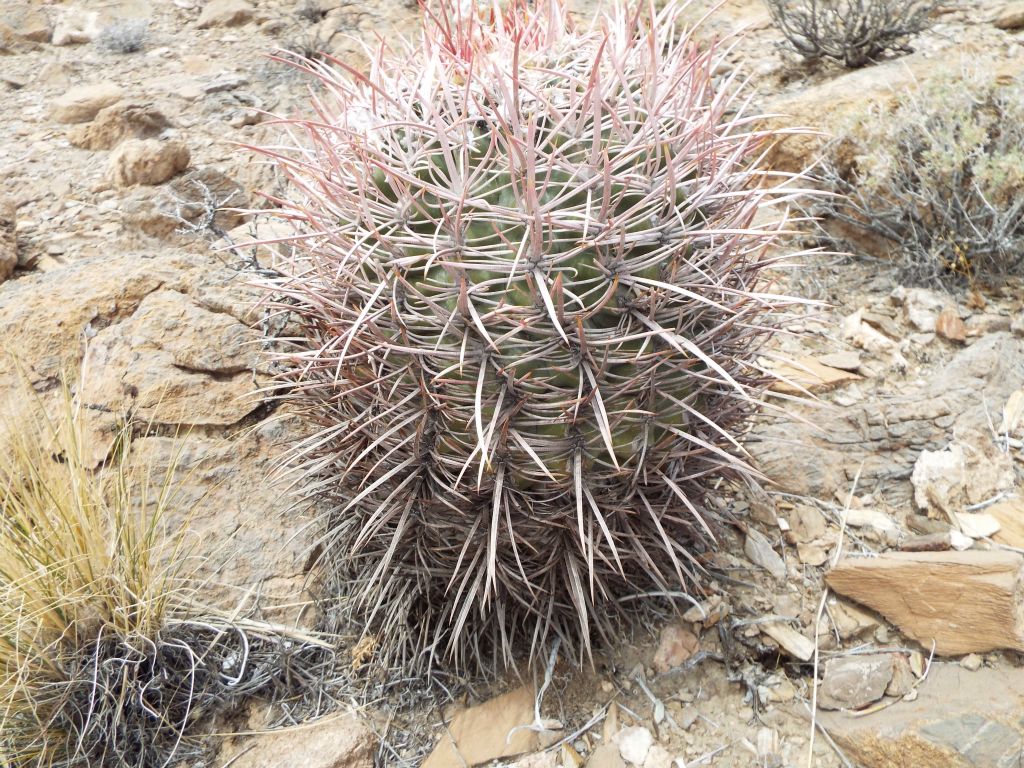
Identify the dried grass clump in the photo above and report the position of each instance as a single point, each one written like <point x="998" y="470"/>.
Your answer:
<point x="105" y="659"/>
<point x="531" y="281"/>
<point x="854" y="32"/>
<point x="937" y="183"/>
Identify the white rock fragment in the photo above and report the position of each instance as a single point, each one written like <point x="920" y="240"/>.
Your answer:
<point x="939" y="480"/>
<point x="634" y="744"/>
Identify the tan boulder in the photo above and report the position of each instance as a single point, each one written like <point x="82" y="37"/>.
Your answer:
<point x="147" y="161"/>
<point x="81" y="103"/>
<point x="225" y="13"/>
<point x="118" y="122"/>
<point x="25" y="21"/>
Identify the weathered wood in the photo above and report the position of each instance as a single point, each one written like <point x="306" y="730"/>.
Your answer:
<point x="966" y="602"/>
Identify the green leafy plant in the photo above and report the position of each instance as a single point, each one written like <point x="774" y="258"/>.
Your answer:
<point x="854" y="32"/>
<point x="936" y="183"/>
<point x="530" y="280"/>
<point x="106" y="658"/>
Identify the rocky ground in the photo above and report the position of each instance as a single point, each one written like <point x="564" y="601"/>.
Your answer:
<point x="865" y="612"/>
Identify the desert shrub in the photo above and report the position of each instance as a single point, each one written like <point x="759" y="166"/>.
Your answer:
<point x="531" y="294"/>
<point x="937" y="183"/>
<point x="123" y="36"/>
<point x="106" y="661"/>
<point x="855" y="32"/>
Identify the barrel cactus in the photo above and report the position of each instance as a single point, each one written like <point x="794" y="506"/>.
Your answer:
<point x="529" y="277"/>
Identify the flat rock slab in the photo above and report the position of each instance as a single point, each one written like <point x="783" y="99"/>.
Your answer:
<point x="963" y="602"/>
<point x="487" y="732"/>
<point x="817" y="451"/>
<point x="960" y="719"/>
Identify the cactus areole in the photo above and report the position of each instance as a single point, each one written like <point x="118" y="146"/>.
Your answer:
<point x="530" y="290"/>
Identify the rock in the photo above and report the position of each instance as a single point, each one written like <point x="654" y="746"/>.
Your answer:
<point x="194" y="312"/>
<point x="778" y="691"/>
<point x="546" y="760"/>
<point x="921" y="307"/>
<point x="1011" y="17"/>
<point x="172" y="362"/>
<point x="851" y="622"/>
<point x="806" y="374"/>
<point x="791" y="641"/>
<point x="83" y="102"/>
<point x="903" y="677"/>
<point x="675" y="647"/>
<point x="949" y="326"/>
<point x="8" y="239"/>
<point x="146" y="161"/>
<point x="634" y="743"/>
<point x="118" y="122"/>
<point x="939" y="542"/>
<point x="74" y="25"/>
<point x="483" y="733"/>
<point x="845" y="361"/>
<point x="871" y="518"/>
<point x="335" y="742"/>
<point x="26" y="22"/>
<point x="858" y="331"/>
<point x="956" y="721"/>
<point x="658" y="757"/>
<point x="964" y="602"/>
<point x="1017" y="325"/>
<point x="606" y="756"/>
<point x="760" y="552"/>
<point x="709" y="612"/>
<point x="1009" y="513"/>
<point x="225" y="13"/>
<point x="977" y="525"/>
<point x="225" y="81"/>
<point x="940" y="480"/>
<point x="853" y="682"/>
<point x="202" y="199"/>
<point x="979" y="325"/>
<point x="1012" y="424"/>
<point x="817" y="451"/>
<point x="971" y="662"/>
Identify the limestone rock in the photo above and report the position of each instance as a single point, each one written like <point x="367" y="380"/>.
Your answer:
<point x="26" y="22"/>
<point x="940" y="480"/>
<point x="949" y="326"/>
<point x="963" y="602"/>
<point x="177" y="320"/>
<point x="606" y="756"/>
<point x="74" y="25"/>
<point x="1011" y="17"/>
<point x="117" y="122"/>
<point x="334" y="742"/>
<point x="146" y="161"/>
<point x="634" y="744"/>
<point x="172" y="362"/>
<point x="486" y="732"/>
<point x="8" y="241"/>
<point x="818" y="451"/>
<point x="761" y="553"/>
<point x="225" y="13"/>
<point x="202" y="198"/>
<point x="81" y="103"/>
<point x="957" y="720"/>
<point x="674" y="648"/>
<point x="853" y="682"/>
